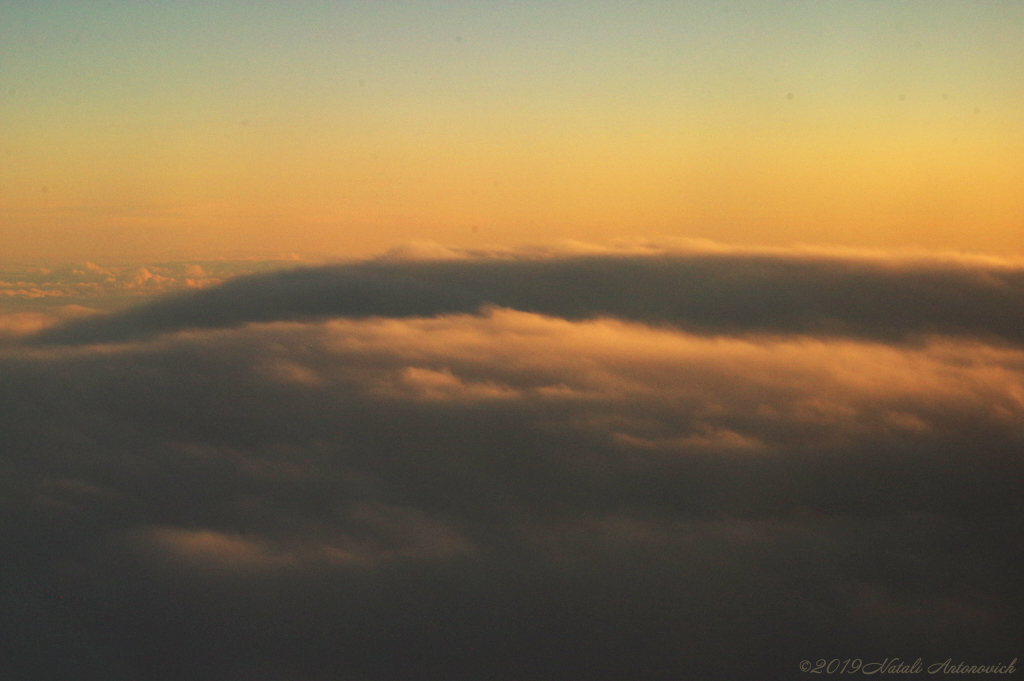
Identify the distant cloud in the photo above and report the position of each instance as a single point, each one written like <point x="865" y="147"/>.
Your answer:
<point x="35" y="289"/>
<point x="421" y="488"/>
<point x="701" y="289"/>
<point x="14" y="325"/>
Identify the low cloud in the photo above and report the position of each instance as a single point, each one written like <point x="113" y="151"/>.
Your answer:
<point x="28" y="289"/>
<point x="398" y="490"/>
<point x="17" y="325"/>
<point x="703" y="290"/>
<point x="506" y="495"/>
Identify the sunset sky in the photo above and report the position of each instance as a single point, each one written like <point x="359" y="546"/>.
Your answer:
<point x="187" y="129"/>
<point x="548" y="340"/>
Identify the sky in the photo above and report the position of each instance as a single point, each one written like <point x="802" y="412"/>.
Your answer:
<point x="227" y="128"/>
<point x="534" y="341"/>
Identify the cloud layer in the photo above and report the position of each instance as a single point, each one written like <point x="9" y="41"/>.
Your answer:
<point x="706" y="291"/>
<point x="422" y="491"/>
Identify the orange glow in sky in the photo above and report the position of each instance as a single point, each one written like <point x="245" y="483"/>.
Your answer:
<point x="344" y="128"/>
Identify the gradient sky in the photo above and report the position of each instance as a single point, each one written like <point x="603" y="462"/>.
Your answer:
<point x="158" y="129"/>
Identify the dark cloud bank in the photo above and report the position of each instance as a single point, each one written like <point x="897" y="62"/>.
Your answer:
<point x="716" y="292"/>
<point x="355" y="473"/>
